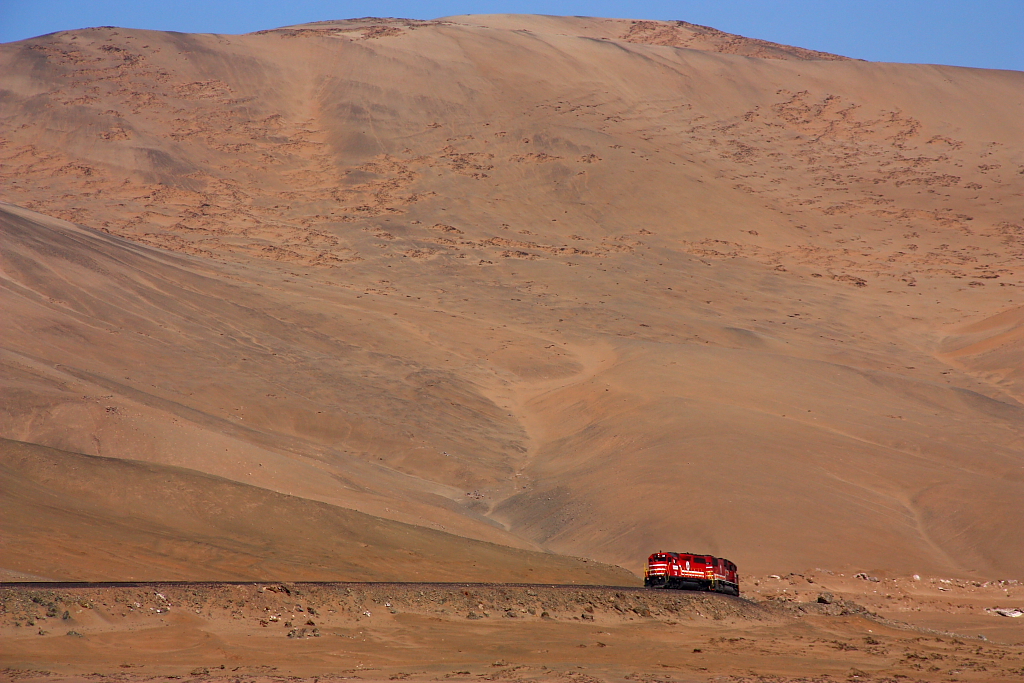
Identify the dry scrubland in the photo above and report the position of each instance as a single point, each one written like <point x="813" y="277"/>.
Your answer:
<point x="510" y="298"/>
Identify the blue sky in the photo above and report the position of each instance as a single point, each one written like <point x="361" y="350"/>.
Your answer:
<point x="984" y="33"/>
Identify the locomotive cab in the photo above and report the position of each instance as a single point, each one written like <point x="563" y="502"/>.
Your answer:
<point x="659" y="570"/>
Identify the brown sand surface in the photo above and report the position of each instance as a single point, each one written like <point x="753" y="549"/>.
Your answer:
<point x="137" y="521"/>
<point x="591" y="287"/>
<point x="261" y="632"/>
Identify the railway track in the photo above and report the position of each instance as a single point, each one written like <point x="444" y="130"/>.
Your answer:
<point x="56" y="585"/>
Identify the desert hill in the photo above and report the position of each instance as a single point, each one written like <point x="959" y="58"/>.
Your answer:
<point x="143" y="521"/>
<point x="597" y="287"/>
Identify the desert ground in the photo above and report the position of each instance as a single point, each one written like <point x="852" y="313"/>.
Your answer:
<point x="799" y="628"/>
<point x="509" y="299"/>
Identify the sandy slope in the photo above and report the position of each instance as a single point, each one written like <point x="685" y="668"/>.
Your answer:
<point x="140" y="521"/>
<point x="598" y="287"/>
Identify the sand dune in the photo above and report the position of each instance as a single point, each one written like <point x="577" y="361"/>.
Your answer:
<point x="597" y="287"/>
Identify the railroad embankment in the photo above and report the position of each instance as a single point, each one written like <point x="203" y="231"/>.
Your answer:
<point x="258" y="632"/>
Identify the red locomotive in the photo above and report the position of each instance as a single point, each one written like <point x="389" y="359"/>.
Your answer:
<point x="691" y="572"/>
